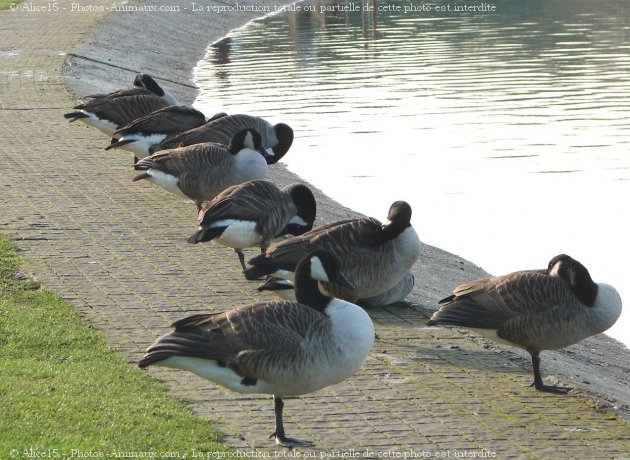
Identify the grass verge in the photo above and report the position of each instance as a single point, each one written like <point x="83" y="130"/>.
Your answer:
<point x="66" y="392"/>
<point x="4" y="4"/>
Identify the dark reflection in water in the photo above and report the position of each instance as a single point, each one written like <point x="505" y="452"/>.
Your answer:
<point x="513" y="124"/>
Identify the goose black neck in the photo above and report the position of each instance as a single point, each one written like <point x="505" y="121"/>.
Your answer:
<point x="393" y="229"/>
<point x="582" y="284"/>
<point x="307" y="289"/>
<point x="399" y="218"/>
<point x="578" y="277"/>
<point x="284" y="134"/>
<point x="150" y="84"/>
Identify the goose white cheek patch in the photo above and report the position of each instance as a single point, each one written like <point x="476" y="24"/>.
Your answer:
<point x="297" y="220"/>
<point x="317" y="270"/>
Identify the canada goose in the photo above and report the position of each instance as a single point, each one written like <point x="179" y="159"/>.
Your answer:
<point x="276" y="139"/>
<point x="375" y="256"/>
<point x="108" y="115"/>
<point x="142" y="84"/>
<point x="278" y="348"/>
<point x="535" y="310"/>
<point x="110" y="112"/>
<point x="284" y="289"/>
<point x="253" y="213"/>
<point x="202" y="171"/>
<point x="141" y="134"/>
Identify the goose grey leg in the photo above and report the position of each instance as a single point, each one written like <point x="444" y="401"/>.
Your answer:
<point x="241" y="258"/>
<point x="538" y="383"/>
<point x="279" y="435"/>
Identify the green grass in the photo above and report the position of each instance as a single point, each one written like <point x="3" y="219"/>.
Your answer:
<point x="4" y="4"/>
<point x="63" y="388"/>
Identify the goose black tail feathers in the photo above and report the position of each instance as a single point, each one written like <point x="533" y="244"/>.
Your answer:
<point x="177" y="344"/>
<point x="74" y="116"/>
<point x="143" y="165"/>
<point x="259" y="266"/>
<point x="206" y="234"/>
<point x="141" y="176"/>
<point x="119" y="143"/>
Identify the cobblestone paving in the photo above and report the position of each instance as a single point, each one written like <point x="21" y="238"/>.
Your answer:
<point x="117" y="250"/>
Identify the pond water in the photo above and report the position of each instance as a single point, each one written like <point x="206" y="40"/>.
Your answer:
<point x="506" y="131"/>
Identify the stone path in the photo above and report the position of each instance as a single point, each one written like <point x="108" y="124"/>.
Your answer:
<point x="117" y="250"/>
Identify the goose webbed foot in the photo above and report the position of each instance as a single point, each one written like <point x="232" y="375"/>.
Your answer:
<point x="284" y="441"/>
<point x="551" y="388"/>
<point x="538" y="382"/>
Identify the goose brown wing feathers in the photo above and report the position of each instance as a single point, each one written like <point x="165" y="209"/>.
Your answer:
<point x="248" y="339"/>
<point x="219" y="130"/>
<point x="124" y="110"/>
<point x="490" y="302"/>
<point x="247" y="201"/>
<point x="351" y="233"/>
<point x="171" y="119"/>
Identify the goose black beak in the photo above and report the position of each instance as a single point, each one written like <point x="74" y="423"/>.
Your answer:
<point x="343" y="281"/>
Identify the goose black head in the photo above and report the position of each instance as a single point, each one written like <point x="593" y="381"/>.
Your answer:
<point x="284" y="134"/>
<point x="576" y="274"/>
<point x="325" y="266"/>
<point x="398" y="219"/>
<point x="306" y="206"/>
<point x="318" y="266"/>
<point x="247" y="139"/>
<point x="143" y="80"/>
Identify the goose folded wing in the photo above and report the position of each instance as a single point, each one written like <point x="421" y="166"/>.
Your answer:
<point x="247" y="201"/>
<point x="124" y="110"/>
<point x="246" y="339"/>
<point x="165" y="120"/>
<point x="199" y="135"/>
<point x="276" y="333"/>
<point x="341" y="234"/>
<point x="121" y="93"/>
<point x="193" y="160"/>
<point x="490" y="302"/>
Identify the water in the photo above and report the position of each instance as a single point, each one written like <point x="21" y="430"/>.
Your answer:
<point x="507" y="132"/>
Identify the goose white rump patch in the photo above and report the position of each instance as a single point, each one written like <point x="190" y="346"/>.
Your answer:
<point x="210" y="370"/>
<point x="238" y="233"/>
<point x="141" y="143"/>
<point x="166" y="181"/>
<point x="106" y="126"/>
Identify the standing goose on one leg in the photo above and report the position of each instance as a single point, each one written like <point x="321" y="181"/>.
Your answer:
<point x="375" y="256"/>
<point x="278" y="348"/>
<point x="535" y="310"/>
<point x="276" y="139"/>
<point x="200" y="172"/>
<point x="253" y="213"/>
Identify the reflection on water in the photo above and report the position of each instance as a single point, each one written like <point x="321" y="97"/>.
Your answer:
<point x="507" y="132"/>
